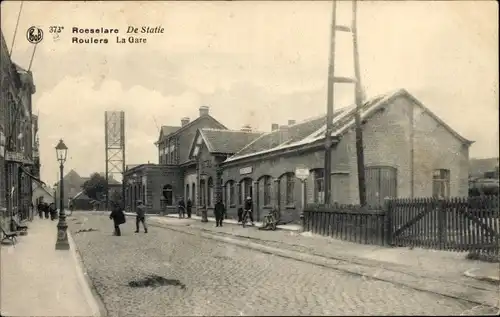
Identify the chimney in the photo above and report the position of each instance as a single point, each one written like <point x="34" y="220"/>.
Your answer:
<point x="203" y="111"/>
<point x="274" y="127"/>
<point x="283" y="134"/>
<point x="184" y="121"/>
<point x="246" y="128"/>
<point x="291" y="122"/>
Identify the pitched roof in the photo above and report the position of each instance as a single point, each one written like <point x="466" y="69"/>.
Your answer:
<point x="171" y="130"/>
<point x="343" y="119"/>
<point x="227" y="141"/>
<point x="296" y="132"/>
<point x="477" y="167"/>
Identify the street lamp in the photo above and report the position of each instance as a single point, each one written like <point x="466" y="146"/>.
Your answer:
<point x="62" y="227"/>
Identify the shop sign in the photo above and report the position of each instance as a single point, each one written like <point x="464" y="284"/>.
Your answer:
<point x="246" y="170"/>
<point x="17" y="157"/>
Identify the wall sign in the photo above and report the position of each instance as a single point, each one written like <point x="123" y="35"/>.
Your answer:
<point x="17" y="157"/>
<point x="246" y="170"/>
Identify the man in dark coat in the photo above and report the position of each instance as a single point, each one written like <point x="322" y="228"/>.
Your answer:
<point x="219" y="210"/>
<point x="40" y="208"/>
<point x="182" y="208"/>
<point x="189" y="207"/>
<point x="141" y="217"/>
<point x="46" y="210"/>
<point x="118" y="218"/>
<point x="53" y="211"/>
<point x="248" y="209"/>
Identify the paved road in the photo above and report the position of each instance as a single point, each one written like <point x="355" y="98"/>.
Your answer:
<point x="206" y="277"/>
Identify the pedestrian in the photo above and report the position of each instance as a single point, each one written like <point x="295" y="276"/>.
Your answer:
<point x="189" y="207"/>
<point x="248" y="210"/>
<point x="240" y="215"/>
<point x="219" y="211"/>
<point x="118" y="218"/>
<point x="46" y="210"/>
<point x="53" y="211"/>
<point x="141" y="217"/>
<point x="40" y="208"/>
<point x="181" y="208"/>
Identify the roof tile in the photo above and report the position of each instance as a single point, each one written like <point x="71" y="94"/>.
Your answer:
<point x="228" y="141"/>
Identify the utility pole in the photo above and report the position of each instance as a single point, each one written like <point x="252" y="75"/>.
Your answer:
<point x="359" y="103"/>
<point x="329" y="110"/>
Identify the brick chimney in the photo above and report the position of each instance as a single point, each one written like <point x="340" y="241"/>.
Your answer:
<point x="184" y="121"/>
<point x="274" y="127"/>
<point x="246" y="128"/>
<point x="283" y="134"/>
<point x="203" y="111"/>
<point x="291" y="122"/>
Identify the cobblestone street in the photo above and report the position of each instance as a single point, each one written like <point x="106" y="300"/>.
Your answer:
<point x="212" y="278"/>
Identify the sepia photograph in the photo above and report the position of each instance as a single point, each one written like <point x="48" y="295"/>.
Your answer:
<point x="249" y="158"/>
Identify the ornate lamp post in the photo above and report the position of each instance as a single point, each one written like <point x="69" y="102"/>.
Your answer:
<point x="62" y="236"/>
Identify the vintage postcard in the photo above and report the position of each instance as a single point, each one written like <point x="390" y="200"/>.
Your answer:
<point x="249" y="158"/>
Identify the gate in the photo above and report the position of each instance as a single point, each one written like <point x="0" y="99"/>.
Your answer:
<point x="457" y="224"/>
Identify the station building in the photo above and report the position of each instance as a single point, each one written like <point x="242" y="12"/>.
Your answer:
<point x="408" y="151"/>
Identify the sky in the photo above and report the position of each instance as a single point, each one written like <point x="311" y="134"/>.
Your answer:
<point x="251" y="62"/>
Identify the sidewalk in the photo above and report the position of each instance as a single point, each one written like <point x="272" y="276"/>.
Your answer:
<point x="37" y="280"/>
<point x="194" y="218"/>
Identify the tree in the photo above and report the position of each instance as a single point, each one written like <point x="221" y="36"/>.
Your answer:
<point x="96" y="187"/>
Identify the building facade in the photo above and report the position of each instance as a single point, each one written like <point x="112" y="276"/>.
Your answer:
<point x="161" y="186"/>
<point x="16" y="137"/>
<point x="408" y="152"/>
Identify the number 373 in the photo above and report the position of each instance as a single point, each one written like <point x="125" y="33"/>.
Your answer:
<point x="55" y="29"/>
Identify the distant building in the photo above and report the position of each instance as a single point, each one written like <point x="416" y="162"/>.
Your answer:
<point x="484" y="168"/>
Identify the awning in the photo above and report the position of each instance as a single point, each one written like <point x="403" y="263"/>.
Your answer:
<point x="33" y="177"/>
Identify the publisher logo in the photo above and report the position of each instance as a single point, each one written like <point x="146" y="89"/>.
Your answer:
<point x="34" y="35"/>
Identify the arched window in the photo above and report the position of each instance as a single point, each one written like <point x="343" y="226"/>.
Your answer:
<point x="267" y="181"/>
<point x="246" y="189"/>
<point x="201" y="192"/>
<point x="230" y="193"/>
<point x="290" y="188"/>
<point x="186" y="197"/>
<point x="168" y="194"/>
<point x="193" y="192"/>
<point x="210" y="193"/>
<point x="319" y="185"/>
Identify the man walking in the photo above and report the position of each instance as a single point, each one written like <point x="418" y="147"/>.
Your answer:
<point x="141" y="217"/>
<point x="219" y="210"/>
<point x="248" y="210"/>
<point x="181" y="207"/>
<point x="118" y="218"/>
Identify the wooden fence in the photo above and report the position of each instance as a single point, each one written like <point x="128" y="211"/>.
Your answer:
<point x="456" y="224"/>
<point x="347" y="222"/>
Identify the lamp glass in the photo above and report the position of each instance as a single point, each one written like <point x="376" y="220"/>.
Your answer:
<point x="61" y="151"/>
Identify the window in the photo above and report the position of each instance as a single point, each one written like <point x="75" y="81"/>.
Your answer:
<point x="201" y="192"/>
<point x="319" y="186"/>
<point x="290" y="188"/>
<point x="267" y="190"/>
<point x="186" y="197"/>
<point x="193" y="193"/>
<point x="230" y="193"/>
<point x="168" y="195"/>
<point x="441" y="183"/>
<point x="246" y="189"/>
<point x="210" y="195"/>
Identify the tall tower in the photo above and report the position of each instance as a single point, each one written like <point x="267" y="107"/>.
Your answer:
<point x="359" y="97"/>
<point x="114" y="129"/>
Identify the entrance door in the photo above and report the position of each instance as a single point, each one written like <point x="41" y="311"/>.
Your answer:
<point x="381" y="182"/>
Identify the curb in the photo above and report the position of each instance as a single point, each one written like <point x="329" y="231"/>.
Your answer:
<point x="455" y="291"/>
<point x="491" y="279"/>
<point x="93" y="297"/>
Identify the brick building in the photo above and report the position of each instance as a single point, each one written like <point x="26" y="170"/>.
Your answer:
<point x="161" y="185"/>
<point x="16" y="136"/>
<point x="409" y="152"/>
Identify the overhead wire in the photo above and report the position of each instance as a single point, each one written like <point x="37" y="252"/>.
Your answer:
<point x="15" y="30"/>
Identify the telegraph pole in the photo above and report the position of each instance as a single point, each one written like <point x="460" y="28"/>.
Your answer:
<point x="359" y="103"/>
<point x="329" y="110"/>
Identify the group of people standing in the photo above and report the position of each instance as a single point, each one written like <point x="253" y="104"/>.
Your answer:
<point x="184" y="208"/>
<point x="45" y="209"/>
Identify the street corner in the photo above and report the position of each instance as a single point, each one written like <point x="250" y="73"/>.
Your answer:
<point x="490" y="275"/>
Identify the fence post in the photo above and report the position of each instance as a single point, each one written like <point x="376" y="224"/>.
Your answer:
<point x="441" y="222"/>
<point x="388" y="230"/>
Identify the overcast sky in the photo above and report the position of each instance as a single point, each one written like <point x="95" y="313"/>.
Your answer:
<point x="252" y="62"/>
